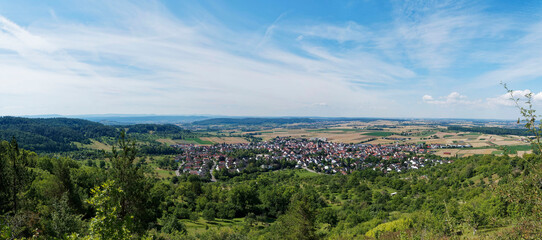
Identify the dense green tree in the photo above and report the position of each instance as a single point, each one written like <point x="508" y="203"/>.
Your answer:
<point x="107" y="224"/>
<point x="134" y="200"/>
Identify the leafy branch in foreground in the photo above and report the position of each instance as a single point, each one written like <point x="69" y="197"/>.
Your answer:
<point x="106" y="224"/>
<point x="529" y="117"/>
<point x="527" y="193"/>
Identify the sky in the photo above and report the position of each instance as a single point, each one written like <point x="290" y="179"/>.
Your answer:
<point x="393" y="59"/>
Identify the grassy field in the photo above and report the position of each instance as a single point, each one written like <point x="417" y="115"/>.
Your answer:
<point x="305" y="173"/>
<point x="379" y="134"/>
<point x="197" y="141"/>
<point x="97" y="145"/>
<point x="201" y="225"/>
<point x="164" y="173"/>
<point x="335" y="130"/>
<point x="516" y="148"/>
<point x="426" y="133"/>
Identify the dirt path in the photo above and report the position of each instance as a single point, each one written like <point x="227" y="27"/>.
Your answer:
<point x="213" y="179"/>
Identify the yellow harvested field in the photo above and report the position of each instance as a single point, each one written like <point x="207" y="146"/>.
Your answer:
<point x="479" y="144"/>
<point x="446" y="152"/>
<point x="478" y="151"/>
<point x="463" y="152"/>
<point x="347" y="138"/>
<point x="521" y="153"/>
<point x="381" y="141"/>
<point x="508" y="142"/>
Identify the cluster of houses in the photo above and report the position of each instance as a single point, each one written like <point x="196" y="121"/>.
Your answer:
<point x="318" y="155"/>
<point x="412" y="163"/>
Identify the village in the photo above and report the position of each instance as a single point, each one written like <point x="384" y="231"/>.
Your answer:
<point x="315" y="155"/>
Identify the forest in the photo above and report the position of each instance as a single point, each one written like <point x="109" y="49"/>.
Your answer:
<point x="59" y="135"/>
<point x="492" y="130"/>
<point x="477" y="197"/>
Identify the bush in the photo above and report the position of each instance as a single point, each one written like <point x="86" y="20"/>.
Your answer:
<point x="393" y="226"/>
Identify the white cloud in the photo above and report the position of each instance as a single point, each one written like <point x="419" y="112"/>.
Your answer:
<point x="519" y="61"/>
<point x="427" y="98"/>
<point x="506" y="99"/>
<point x="350" y="31"/>
<point x="452" y="98"/>
<point x="155" y="63"/>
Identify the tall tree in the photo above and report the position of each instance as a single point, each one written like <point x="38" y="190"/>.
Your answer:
<point x="17" y="169"/>
<point x="130" y="178"/>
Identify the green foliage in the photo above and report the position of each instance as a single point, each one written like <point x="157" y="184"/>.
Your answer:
<point x="159" y="129"/>
<point x="52" y="134"/>
<point x="491" y="130"/>
<point x="393" y="226"/>
<point x="107" y="224"/>
<point x="62" y="221"/>
<point x="134" y="200"/>
<point x="379" y="134"/>
<point x="57" y="196"/>
<point x="172" y="225"/>
<point x="222" y="234"/>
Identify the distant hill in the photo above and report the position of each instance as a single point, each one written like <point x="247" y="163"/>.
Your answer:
<point x="252" y="121"/>
<point x="52" y="134"/>
<point x="59" y="134"/>
<point x="280" y="120"/>
<point x="140" y="119"/>
<point x="154" y="128"/>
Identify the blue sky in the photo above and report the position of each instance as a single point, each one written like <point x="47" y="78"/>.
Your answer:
<point x="365" y="58"/>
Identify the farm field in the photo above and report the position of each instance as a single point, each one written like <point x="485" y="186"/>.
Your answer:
<point x="203" y="140"/>
<point x="390" y="132"/>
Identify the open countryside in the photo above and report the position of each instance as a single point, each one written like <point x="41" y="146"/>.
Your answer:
<point x="270" y="120"/>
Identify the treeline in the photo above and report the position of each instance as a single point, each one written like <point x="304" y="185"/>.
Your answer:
<point x="154" y="128"/>
<point x="52" y="134"/>
<point x="59" y="135"/>
<point x="252" y="121"/>
<point x="492" y="130"/>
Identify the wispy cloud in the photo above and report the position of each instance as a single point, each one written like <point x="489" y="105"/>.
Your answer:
<point x="156" y="62"/>
<point x="142" y="58"/>
<point x="451" y="99"/>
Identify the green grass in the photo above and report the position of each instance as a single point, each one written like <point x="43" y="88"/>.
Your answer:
<point x="515" y="148"/>
<point x="520" y="147"/>
<point x="305" y="173"/>
<point x="197" y="141"/>
<point x="379" y="134"/>
<point x="164" y="173"/>
<point x="202" y="225"/>
<point x="425" y="134"/>
<point x="95" y="145"/>
<point x="498" y="152"/>
<point x="335" y="130"/>
<point x="447" y="136"/>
